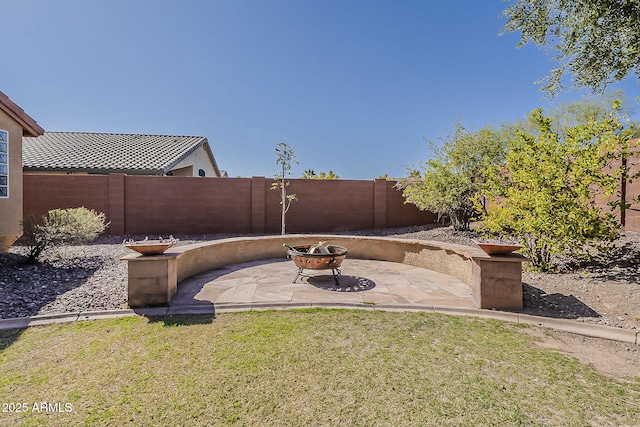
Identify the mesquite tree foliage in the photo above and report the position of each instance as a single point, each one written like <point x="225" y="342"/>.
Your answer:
<point x="596" y="41"/>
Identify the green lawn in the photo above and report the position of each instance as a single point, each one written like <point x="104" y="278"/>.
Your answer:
<point x="307" y="367"/>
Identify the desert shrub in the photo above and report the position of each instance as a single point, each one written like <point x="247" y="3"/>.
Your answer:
<point x="546" y="191"/>
<point x="448" y="183"/>
<point x="60" y="226"/>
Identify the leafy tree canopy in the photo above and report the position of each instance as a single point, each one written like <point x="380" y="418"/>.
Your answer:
<point x="596" y="41"/>
<point x="331" y="175"/>
<point x="311" y="174"/>
<point x="448" y="182"/>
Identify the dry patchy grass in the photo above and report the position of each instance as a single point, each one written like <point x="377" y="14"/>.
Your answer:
<point x="308" y="367"/>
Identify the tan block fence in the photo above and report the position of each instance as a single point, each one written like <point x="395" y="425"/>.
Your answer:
<point x="150" y="205"/>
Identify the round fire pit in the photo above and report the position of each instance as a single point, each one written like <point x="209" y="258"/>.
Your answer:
<point x="317" y="261"/>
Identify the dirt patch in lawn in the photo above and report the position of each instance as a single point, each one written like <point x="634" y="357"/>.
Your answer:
<point x="615" y="359"/>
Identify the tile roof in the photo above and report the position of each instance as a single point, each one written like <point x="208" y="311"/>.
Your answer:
<point x="29" y="126"/>
<point x="108" y="152"/>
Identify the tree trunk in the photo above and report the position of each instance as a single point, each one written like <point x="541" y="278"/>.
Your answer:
<point x="283" y="196"/>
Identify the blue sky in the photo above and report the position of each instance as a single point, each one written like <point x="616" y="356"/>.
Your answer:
<point x="354" y="86"/>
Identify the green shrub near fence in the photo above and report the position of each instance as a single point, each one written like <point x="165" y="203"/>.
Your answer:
<point x="61" y="226"/>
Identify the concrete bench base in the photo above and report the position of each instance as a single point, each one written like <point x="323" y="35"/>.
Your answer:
<point x="496" y="281"/>
<point x="152" y="280"/>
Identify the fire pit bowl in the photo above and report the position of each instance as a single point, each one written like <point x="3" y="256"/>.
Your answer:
<point x="150" y="247"/>
<point x="317" y="261"/>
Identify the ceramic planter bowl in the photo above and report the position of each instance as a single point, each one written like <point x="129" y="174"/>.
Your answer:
<point x="150" y="247"/>
<point x="498" y="248"/>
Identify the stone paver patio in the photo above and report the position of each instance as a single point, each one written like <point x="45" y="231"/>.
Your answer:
<point x="269" y="283"/>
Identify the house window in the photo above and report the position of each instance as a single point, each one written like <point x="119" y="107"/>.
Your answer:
<point x="4" y="164"/>
<point x="201" y="172"/>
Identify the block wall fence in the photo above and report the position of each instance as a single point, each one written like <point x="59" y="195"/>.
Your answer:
<point x="632" y="190"/>
<point x="192" y="205"/>
<point x="149" y="205"/>
<point x="629" y="190"/>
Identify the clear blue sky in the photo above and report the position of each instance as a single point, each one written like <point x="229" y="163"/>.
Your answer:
<point x="352" y="85"/>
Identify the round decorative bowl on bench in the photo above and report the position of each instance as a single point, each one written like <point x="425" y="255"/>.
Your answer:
<point x="498" y="248"/>
<point x="150" y="247"/>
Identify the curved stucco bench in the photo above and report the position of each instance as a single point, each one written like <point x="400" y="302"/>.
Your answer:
<point x="496" y="281"/>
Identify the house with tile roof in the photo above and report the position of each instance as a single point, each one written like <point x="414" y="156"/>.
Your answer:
<point x="15" y="126"/>
<point x="131" y="154"/>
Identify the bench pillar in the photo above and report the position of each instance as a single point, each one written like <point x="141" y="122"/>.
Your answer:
<point x="497" y="282"/>
<point x="153" y="280"/>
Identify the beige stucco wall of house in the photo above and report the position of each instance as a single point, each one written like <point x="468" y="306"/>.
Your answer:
<point x="195" y="161"/>
<point x="11" y="207"/>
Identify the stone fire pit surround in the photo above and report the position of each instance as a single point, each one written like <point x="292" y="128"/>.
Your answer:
<point x="496" y="281"/>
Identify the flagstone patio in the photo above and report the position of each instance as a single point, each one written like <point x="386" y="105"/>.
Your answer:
<point x="367" y="282"/>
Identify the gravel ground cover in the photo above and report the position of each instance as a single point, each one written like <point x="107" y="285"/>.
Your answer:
<point x="92" y="277"/>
